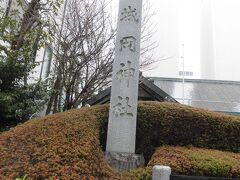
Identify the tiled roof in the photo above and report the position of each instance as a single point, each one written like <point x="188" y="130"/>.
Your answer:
<point x="209" y="94"/>
<point x="147" y="91"/>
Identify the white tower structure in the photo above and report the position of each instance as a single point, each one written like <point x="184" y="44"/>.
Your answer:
<point x="220" y="39"/>
<point x="206" y="41"/>
<point x="165" y="21"/>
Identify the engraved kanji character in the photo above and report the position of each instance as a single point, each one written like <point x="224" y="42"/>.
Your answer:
<point x="122" y="108"/>
<point x="129" y="14"/>
<point x="128" y="42"/>
<point x="125" y="72"/>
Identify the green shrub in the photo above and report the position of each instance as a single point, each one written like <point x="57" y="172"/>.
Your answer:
<point x="18" y="105"/>
<point x="198" y="162"/>
<point x="23" y="178"/>
<point x="69" y="145"/>
<point x="62" y="146"/>
<point x="175" y="124"/>
<point x="139" y="174"/>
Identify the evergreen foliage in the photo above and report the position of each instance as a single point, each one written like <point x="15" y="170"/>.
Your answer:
<point x="70" y="145"/>
<point x="22" y="34"/>
<point x="198" y="162"/>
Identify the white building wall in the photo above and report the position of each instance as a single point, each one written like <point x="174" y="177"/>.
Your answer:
<point x="177" y="23"/>
<point x="15" y="6"/>
<point x="220" y="39"/>
<point x="44" y="55"/>
<point x="226" y="27"/>
<point x="3" y="3"/>
<point x="166" y="23"/>
<point x="189" y="40"/>
<point x="206" y="41"/>
<point x="41" y="70"/>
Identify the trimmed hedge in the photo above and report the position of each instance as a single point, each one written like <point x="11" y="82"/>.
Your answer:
<point x="68" y="145"/>
<point x="60" y="146"/>
<point x="174" y="124"/>
<point x="139" y="174"/>
<point x="198" y="162"/>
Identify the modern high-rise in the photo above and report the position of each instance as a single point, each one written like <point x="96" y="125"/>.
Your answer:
<point x="165" y="22"/>
<point x="209" y="30"/>
<point x="177" y="24"/>
<point x="220" y="39"/>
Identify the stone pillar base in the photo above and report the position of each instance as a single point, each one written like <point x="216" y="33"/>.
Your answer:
<point x="124" y="161"/>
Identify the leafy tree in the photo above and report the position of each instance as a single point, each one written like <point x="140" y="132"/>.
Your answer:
<point x="22" y="34"/>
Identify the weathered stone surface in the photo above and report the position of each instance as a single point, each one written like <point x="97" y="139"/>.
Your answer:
<point x="124" y="93"/>
<point x="161" y="172"/>
<point x="124" y="161"/>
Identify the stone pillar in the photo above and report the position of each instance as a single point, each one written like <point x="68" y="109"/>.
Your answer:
<point x="161" y="173"/>
<point x="124" y="92"/>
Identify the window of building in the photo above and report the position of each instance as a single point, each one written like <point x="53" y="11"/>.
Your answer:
<point x="185" y="73"/>
<point x="46" y="63"/>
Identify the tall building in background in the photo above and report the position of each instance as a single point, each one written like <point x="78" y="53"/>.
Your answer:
<point x="220" y="39"/>
<point x="165" y="21"/>
<point x="206" y="41"/>
<point x="189" y="40"/>
<point x="177" y="23"/>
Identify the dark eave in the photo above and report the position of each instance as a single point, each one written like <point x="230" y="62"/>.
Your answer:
<point x="148" y="91"/>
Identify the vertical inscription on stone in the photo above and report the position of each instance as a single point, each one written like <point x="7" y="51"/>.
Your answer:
<point x="129" y="14"/>
<point x="122" y="108"/>
<point x="124" y="93"/>
<point x="126" y="72"/>
<point x="128" y="42"/>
